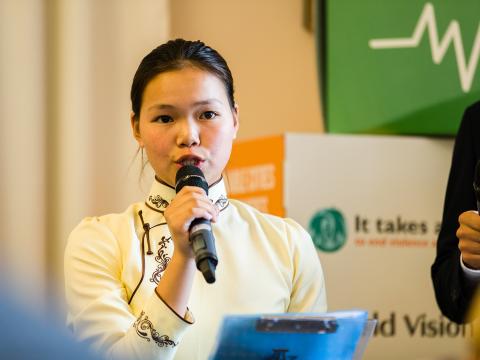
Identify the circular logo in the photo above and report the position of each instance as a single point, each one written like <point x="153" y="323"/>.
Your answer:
<point x="327" y="228"/>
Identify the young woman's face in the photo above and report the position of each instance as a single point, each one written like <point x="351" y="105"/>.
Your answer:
<point x="185" y="118"/>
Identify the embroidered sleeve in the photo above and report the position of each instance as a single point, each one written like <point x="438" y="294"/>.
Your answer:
<point x="145" y="329"/>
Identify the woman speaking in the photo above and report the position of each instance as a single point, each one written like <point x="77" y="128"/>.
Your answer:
<point x="132" y="285"/>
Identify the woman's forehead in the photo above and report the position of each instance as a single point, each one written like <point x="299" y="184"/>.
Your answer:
<point x="187" y="85"/>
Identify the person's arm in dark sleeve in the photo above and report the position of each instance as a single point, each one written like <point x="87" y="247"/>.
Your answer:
<point x="453" y="291"/>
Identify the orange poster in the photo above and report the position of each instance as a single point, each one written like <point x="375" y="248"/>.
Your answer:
<point x="255" y="173"/>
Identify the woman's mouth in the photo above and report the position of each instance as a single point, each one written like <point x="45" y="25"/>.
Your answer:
<point x="189" y="160"/>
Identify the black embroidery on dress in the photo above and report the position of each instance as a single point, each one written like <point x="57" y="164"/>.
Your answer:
<point x="162" y="258"/>
<point x="221" y="202"/>
<point x="146" y="236"/>
<point x="143" y="325"/>
<point x="158" y="201"/>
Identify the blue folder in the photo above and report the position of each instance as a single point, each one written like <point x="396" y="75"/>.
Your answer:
<point x="336" y="335"/>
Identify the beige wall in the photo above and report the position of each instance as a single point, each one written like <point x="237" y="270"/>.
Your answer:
<point x="65" y="142"/>
<point x="271" y="55"/>
<point x="22" y="147"/>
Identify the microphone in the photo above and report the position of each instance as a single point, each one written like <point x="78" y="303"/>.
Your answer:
<point x="200" y="232"/>
<point x="476" y="184"/>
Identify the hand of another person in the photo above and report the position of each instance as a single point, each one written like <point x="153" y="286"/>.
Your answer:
<point x="189" y="204"/>
<point x="468" y="234"/>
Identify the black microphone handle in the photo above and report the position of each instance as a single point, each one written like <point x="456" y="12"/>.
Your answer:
<point x="476" y="184"/>
<point x="203" y="245"/>
<point x="476" y="190"/>
<point x="200" y="232"/>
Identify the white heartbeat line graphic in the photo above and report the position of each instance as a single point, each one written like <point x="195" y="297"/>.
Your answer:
<point x="427" y="22"/>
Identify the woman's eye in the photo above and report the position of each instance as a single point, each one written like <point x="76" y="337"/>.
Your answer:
<point x="164" y="119"/>
<point x="208" y="115"/>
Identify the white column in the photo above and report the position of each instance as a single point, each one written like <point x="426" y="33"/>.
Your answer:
<point x="99" y="45"/>
<point x="22" y="148"/>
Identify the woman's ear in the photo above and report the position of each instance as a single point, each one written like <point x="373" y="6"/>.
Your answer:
<point x="236" y="119"/>
<point x="135" y="123"/>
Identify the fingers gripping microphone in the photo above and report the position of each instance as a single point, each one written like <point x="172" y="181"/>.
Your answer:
<point x="200" y="232"/>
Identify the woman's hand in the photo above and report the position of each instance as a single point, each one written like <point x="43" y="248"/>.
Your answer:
<point x="468" y="234"/>
<point x="189" y="204"/>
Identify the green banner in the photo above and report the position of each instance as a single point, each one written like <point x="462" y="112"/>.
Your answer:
<point x="398" y="67"/>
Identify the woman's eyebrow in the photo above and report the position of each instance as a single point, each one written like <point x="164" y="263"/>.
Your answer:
<point x="160" y="106"/>
<point x="207" y="102"/>
<point x="171" y="107"/>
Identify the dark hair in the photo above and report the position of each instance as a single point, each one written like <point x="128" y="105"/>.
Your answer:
<point x="174" y="55"/>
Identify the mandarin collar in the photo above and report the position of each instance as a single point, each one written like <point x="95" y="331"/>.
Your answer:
<point x="161" y="195"/>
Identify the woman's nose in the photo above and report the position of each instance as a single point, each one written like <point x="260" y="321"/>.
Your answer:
<point x="188" y="133"/>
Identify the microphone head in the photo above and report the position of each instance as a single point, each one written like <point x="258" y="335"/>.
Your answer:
<point x="190" y="175"/>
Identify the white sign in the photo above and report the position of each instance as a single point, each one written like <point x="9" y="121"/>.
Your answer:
<point x="373" y="206"/>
